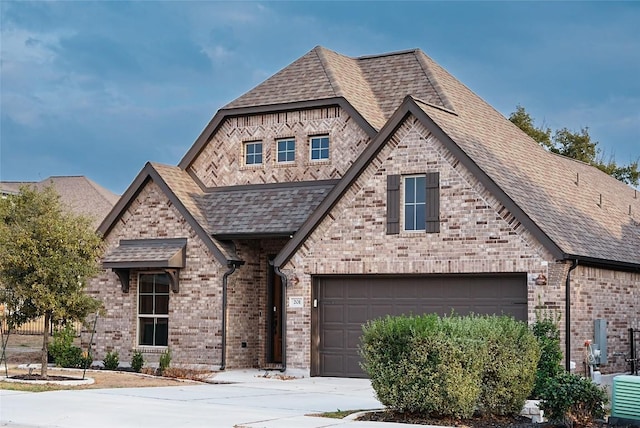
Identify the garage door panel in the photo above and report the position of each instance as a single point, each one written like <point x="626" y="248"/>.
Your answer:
<point x="357" y="313"/>
<point x="346" y="303"/>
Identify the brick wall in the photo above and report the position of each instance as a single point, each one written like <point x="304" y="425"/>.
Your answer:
<point x="221" y="162"/>
<point x="195" y="312"/>
<point x="477" y="233"/>
<point x="604" y="294"/>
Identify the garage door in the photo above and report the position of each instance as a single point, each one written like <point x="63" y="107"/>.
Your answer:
<point x="343" y="304"/>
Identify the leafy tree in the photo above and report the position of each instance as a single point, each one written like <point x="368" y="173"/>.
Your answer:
<point x="46" y="255"/>
<point x="577" y="145"/>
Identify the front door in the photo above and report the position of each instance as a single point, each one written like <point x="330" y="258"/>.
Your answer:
<point x="274" y="310"/>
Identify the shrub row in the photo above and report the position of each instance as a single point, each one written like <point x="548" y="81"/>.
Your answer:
<point x="450" y="366"/>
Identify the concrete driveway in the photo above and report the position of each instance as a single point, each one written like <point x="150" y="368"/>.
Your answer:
<point x="249" y="400"/>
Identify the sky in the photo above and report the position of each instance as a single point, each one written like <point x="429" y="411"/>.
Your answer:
<point x="98" y="88"/>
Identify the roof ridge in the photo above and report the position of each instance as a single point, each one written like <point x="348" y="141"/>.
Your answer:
<point x="394" y="53"/>
<point x="431" y="77"/>
<point x="328" y="71"/>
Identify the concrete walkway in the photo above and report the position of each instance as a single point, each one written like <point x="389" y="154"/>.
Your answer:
<point x="249" y="400"/>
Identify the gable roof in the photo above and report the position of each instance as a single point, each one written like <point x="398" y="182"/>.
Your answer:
<point x="77" y="193"/>
<point x="575" y="210"/>
<point x="220" y="214"/>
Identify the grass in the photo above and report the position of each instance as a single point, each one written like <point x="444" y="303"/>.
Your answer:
<point x="338" y="414"/>
<point x="33" y="388"/>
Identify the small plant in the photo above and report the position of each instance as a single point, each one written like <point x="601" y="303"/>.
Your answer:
<point x="546" y="330"/>
<point x="137" y="361"/>
<point x="64" y="353"/>
<point x="165" y="361"/>
<point x="111" y="361"/>
<point x="570" y="399"/>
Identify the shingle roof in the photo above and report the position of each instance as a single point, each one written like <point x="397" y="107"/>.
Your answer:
<point x="374" y="85"/>
<point x="559" y="196"/>
<point x="263" y="209"/>
<point x="78" y="193"/>
<point x="147" y="253"/>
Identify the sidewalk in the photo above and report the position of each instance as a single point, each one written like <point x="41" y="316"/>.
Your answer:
<point x="247" y="399"/>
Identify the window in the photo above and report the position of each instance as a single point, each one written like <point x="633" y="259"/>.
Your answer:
<point x="153" y="309"/>
<point x="286" y="150"/>
<point x="415" y="203"/>
<point x="320" y="147"/>
<point x="253" y="153"/>
<point x="421" y="203"/>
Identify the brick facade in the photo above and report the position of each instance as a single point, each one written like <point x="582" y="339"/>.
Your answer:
<point x="221" y="162"/>
<point x="194" y="312"/>
<point x="477" y="235"/>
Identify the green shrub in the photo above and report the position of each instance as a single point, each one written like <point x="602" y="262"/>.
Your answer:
<point x="137" y="361"/>
<point x="165" y="360"/>
<point x="450" y="366"/>
<point x="570" y="399"/>
<point x="64" y="353"/>
<point x="510" y="369"/>
<point x="549" y="367"/>
<point x="111" y="361"/>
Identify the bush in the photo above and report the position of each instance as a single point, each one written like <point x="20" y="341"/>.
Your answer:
<point x="165" y="361"/>
<point x="546" y="330"/>
<point x="64" y="353"/>
<point x="510" y="369"/>
<point x="137" y="361"/>
<point x="570" y="399"/>
<point x="111" y="361"/>
<point x="450" y="366"/>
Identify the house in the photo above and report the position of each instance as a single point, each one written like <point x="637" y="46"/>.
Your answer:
<point x="79" y="194"/>
<point x="343" y="189"/>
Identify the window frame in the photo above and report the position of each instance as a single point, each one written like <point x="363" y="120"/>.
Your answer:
<point x="153" y="315"/>
<point x="320" y="149"/>
<point x="286" y="151"/>
<point x="245" y="153"/>
<point x="415" y="204"/>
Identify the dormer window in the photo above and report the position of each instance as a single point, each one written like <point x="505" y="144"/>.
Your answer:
<point x="253" y="153"/>
<point x="286" y="150"/>
<point x="319" y="148"/>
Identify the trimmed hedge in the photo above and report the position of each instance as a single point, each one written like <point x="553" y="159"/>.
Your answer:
<point x="450" y="366"/>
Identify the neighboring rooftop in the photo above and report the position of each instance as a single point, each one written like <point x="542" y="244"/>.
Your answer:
<point x="78" y="193"/>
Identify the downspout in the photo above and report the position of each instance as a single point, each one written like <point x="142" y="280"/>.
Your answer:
<point x="567" y="324"/>
<point x="232" y="268"/>
<point x="276" y="269"/>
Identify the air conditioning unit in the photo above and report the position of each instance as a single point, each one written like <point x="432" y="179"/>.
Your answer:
<point x="625" y="401"/>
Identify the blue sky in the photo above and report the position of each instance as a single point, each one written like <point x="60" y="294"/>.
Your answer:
<point x="98" y="88"/>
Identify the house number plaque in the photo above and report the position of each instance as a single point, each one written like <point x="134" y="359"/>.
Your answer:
<point x="296" y="302"/>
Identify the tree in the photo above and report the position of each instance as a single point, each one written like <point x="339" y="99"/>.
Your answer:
<point x="46" y="256"/>
<point x="577" y="145"/>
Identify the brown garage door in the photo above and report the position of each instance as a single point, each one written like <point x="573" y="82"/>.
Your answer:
<point x="343" y="304"/>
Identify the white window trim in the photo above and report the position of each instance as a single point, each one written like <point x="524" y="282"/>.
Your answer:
<point x="311" y="148"/>
<point x="403" y="205"/>
<point x="278" y="141"/>
<point x="244" y="154"/>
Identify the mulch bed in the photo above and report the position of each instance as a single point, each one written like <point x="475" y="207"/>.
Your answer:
<point x="475" y="422"/>
<point x="39" y="377"/>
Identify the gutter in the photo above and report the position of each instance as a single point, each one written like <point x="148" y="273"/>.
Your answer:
<point x="567" y="311"/>
<point x="233" y="265"/>
<point x="276" y="269"/>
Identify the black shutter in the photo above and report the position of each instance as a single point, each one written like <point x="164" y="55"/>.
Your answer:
<point x="433" y="202"/>
<point x="393" y="204"/>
